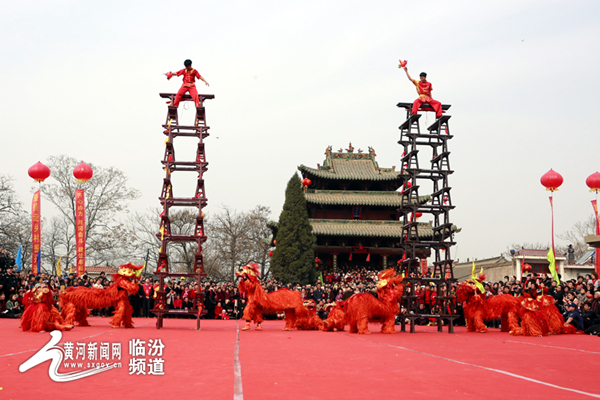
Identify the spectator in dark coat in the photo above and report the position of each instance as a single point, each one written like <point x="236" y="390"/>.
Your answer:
<point x="573" y="317"/>
<point x="589" y="317"/>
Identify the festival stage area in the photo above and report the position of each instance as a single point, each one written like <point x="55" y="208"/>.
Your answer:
<point x="274" y="364"/>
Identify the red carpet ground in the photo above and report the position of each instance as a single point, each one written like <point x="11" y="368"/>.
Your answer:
<point x="273" y="364"/>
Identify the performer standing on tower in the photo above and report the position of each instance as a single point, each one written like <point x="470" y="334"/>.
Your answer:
<point x="189" y="85"/>
<point x="424" y="89"/>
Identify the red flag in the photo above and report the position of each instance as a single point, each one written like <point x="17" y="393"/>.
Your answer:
<point x="35" y="231"/>
<point x="80" y="231"/>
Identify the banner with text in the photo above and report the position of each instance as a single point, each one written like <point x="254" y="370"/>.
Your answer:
<point x="80" y="230"/>
<point x="35" y="232"/>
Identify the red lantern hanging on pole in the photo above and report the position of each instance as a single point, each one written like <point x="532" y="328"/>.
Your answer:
<point x="593" y="182"/>
<point x="552" y="180"/>
<point x="39" y="172"/>
<point x="83" y="173"/>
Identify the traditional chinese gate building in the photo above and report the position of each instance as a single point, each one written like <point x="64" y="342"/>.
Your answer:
<point x="353" y="207"/>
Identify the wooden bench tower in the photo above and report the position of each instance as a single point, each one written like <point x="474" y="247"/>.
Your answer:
<point x="413" y="141"/>
<point x="172" y="129"/>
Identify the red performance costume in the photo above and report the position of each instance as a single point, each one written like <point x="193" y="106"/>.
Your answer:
<point x="336" y="320"/>
<point x="424" y="89"/>
<point x="309" y="321"/>
<point x="189" y="85"/>
<point x="40" y="314"/>
<point x="259" y="302"/>
<point x="363" y="308"/>
<point x="75" y="301"/>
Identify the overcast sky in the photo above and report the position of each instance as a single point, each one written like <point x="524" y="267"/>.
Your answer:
<point x="290" y="78"/>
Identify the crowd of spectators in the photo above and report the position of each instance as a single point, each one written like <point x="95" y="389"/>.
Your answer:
<point x="578" y="299"/>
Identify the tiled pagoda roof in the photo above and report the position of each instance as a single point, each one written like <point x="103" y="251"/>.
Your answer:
<point x="351" y="166"/>
<point x="357" y="198"/>
<point x="345" y="227"/>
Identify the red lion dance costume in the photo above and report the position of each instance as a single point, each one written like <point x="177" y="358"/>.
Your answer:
<point x="533" y="319"/>
<point x="75" y="302"/>
<point x="40" y="314"/>
<point x="259" y="302"/>
<point x="474" y="305"/>
<point x="553" y="316"/>
<point x="309" y="321"/>
<point x="336" y="319"/>
<point x="363" y="308"/>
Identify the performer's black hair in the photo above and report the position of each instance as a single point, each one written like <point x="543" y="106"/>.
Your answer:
<point x="187" y="63"/>
<point x="423" y="74"/>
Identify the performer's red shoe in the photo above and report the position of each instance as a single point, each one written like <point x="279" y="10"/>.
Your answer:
<point x="258" y="328"/>
<point x="247" y="327"/>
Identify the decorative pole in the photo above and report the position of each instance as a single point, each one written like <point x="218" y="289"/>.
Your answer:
<point x="593" y="182"/>
<point x="552" y="180"/>
<point x="82" y="173"/>
<point x="39" y="172"/>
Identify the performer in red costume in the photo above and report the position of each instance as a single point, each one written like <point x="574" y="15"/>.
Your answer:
<point x="40" y="314"/>
<point x="189" y="85"/>
<point x="424" y="89"/>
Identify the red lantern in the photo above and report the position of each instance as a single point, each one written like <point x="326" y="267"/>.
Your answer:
<point x="419" y="215"/>
<point x="271" y="253"/>
<point x="593" y="182"/>
<point x="275" y="242"/>
<point x="306" y="182"/>
<point x="526" y="268"/>
<point x="317" y="260"/>
<point x="39" y="172"/>
<point x="83" y="173"/>
<point x="551" y="180"/>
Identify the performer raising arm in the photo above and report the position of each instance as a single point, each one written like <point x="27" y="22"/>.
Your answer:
<point x="424" y="89"/>
<point x="189" y="85"/>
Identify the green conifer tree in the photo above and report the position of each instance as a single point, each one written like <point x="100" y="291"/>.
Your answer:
<point x="293" y="259"/>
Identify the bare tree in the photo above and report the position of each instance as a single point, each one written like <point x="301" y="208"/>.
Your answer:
<point x="260" y="236"/>
<point x="181" y="254"/>
<point x="235" y="239"/>
<point x="143" y="227"/>
<point x="9" y="203"/>
<point x="15" y="224"/>
<point x="530" y="246"/>
<point x="576" y="235"/>
<point x="106" y="195"/>
<point x="52" y="242"/>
